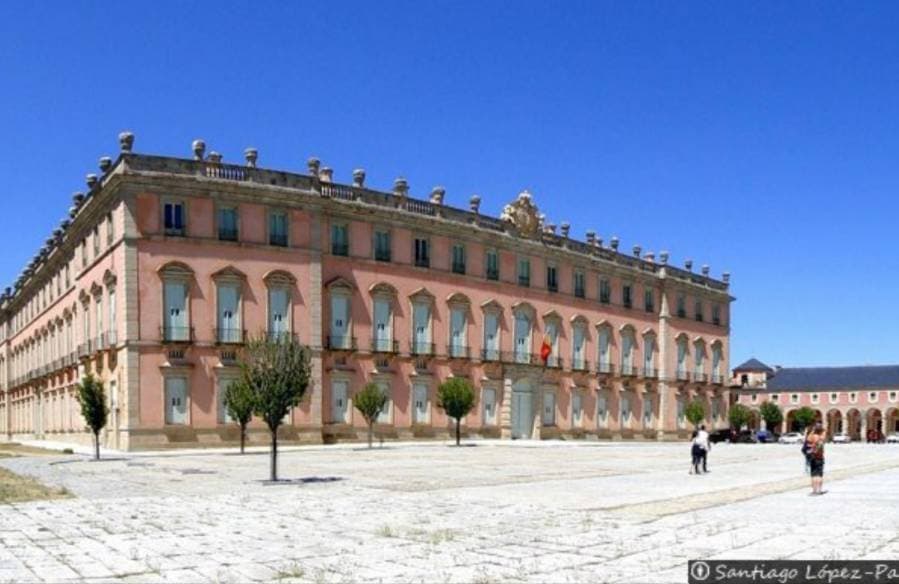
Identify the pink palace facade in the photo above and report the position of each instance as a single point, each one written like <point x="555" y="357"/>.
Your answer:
<point x="166" y="265"/>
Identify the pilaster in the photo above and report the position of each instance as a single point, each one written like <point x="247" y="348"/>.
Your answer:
<point x="663" y="423"/>
<point x="505" y="409"/>
<point x="315" y="324"/>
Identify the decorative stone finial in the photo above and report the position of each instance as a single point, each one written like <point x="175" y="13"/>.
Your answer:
<point x="549" y="228"/>
<point x="73" y="210"/>
<point x="637" y="250"/>
<point x="214" y="157"/>
<point x="650" y="257"/>
<point x="614" y="242"/>
<point x="313" y="164"/>
<point x="688" y="265"/>
<point x="663" y="257"/>
<point x="598" y="241"/>
<point x="326" y="174"/>
<point x="57" y="233"/>
<point x="92" y="181"/>
<point x="126" y="141"/>
<point x="199" y="148"/>
<point x="78" y="198"/>
<point x="474" y="203"/>
<point x="400" y="187"/>
<point x="105" y="164"/>
<point x="705" y="270"/>
<point x="64" y="224"/>
<point x="251" y="155"/>
<point x="359" y="178"/>
<point x="437" y="194"/>
<point x="591" y="238"/>
<point x="565" y="228"/>
<point x="725" y="277"/>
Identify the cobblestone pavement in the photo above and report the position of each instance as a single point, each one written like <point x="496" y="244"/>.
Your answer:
<point x="494" y="512"/>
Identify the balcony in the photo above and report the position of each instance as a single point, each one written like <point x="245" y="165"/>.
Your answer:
<point x="717" y="378"/>
<point x="340" y="343"/>
<point x="681" y="313"/>
<point x="421" y="348"/>
<point x="422" y="262"/>
<point x="385" y="346"/>
<point x="650" y="372"/>
<point x="553" y="361"/>
<point x="84" y="349"/>
<point x="552" y="286"/>
<point x="682" y="375"/>
<point x="580" y="364"/>
<point x="491" y="355"/>
<point x="112" y="339"/>
<point x="278" y="336"/>
<point x="177" y="334"/>
<point x="230" y="336"/>
<point x="174" y="231"/>
<point x="700" y="377"/>
<point x="605" y="368"/>
<point x="524" y="281"/>
<point x="99" y="343"/>
<point x="458" y="351"/>
<point x="523" y="358"/>
<point x="628" y="371"/>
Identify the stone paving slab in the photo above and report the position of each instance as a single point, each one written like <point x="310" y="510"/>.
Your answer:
<point x="498" y="512"/>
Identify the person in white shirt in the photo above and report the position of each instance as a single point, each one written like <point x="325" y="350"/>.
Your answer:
<point x="702" y="439"/>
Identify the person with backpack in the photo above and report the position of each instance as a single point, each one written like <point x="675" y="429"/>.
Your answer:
<point x="695" y="452"/>
<point x="816" y="460"/>
<point x="806" y="452"/>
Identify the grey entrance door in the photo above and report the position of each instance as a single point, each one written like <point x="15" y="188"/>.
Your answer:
<point x="522" y="410"/>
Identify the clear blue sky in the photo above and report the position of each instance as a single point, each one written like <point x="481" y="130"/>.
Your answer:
<point x="760" y="138"/>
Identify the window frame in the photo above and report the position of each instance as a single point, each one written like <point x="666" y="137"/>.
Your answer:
<point x="418" y="261"/>
<point x="174" y="231"/>
<point x="269" y="232"/>
<point x="458" y="267"/>
<point x="219" y="208"/>
<point x="523" y="276"/>
<point x="374" y="245"/>
<point x="492" y="275"/>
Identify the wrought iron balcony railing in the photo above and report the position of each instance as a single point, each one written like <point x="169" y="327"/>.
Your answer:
<point x="385" y="346"/>
<point x="340" y="343"/>
<point x="421" y="347"/>
<point x="580" y="364"/>
<point x="456" y="351"/>
<point x="230" y="336"/>
<point x="604" y="368"/>
<point x="177" y="334"/>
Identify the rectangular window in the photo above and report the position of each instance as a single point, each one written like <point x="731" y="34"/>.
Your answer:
<point x="175" y="327"/>
<point x="228" y="301"/>
<point x="174" y="218"/>
<point x="489" y="406"/>
<point x="277" y="228"/>
<point x="549" y="408"/>
<point x="698" y="311"/>
<point x="96" y="237"/>
<point x="605" y="355"/>
<point x="648" y="356"/>
<point x="422" y="253"/>
<point x="602" y="411"/>
<point x="627" y="299"/>
<point x="421" y="411"/>
<point x="383" y="333"/>
<point x="175" y="400"/>
<point x="681" y="306"/>
<point x="522" y="338"/>
<point x="421" y="322"/>
<point x="221" y="389"/>
<point x="492" y="265"/>
<point x="491" y="336"/>
<point x="578" y="362"/>
<point x="340" y="322"/>
<point x="649" y="300"/>
<point x="339" y="401"/>
<point x="605" y="291"/>
<point x="524" y="272"/>
<point x="278" y="317"/>
<point x="552" y="279"/>
<point x="580" y="288"/>
<point x="98" y="314"/>
<point x="110" y="231"/>
<point x="576" y="409"/>
<point x="458" y="259"/>
<point x="382" y="245"/>
<point x="227" y="219"/>
<point x="716" y="315"/>
<point x="112" y="319"/>
<point x="458" y="344"/>
<point x="384" y="417"/>
<point x="340" y="240"/>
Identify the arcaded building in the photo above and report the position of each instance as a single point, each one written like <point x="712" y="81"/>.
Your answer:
<point x="164" y="268"/>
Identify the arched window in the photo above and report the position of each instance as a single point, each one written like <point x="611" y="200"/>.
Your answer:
<point x="176" y="279"/>
<point x="649" y="352"/>
<point x="628" y="344"/>
<point x="280" y="286"/>
<point x="699" y="360"/>
<point x="341" y="328"/>
<point x="458" y="334"/>
<point x="682" y="357"/>
<point x="229" y="295"/>
<point x="552" y="325"/>
<point x="492" y="319"/>
<point x="383" y="299"/>
<point x="579" y="344"/>
<point x="523" y="315"/>
<point x="604" y="343"/>
<point x="422" y="308"/>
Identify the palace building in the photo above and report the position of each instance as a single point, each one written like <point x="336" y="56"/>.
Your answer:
<point x="167" y="265"/>
<point x="848" y="400"/>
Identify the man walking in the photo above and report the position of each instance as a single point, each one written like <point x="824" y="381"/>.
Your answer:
<point x="703" y="439"/>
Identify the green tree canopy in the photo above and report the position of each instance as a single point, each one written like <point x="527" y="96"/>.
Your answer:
<point x="739" y="415"/>
<point x="94" y="410"/>
<point x="455" y="396"/>
<point x="805" y="417"/>
<point x="370" y="401"/>
<point x="695" y="412"/>
<point x="239" y="403"/>
<point x="772" y="414"/>
<point x="277" y="371"/>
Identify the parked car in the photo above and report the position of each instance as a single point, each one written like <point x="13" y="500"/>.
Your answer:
<point x="721" y="436"/>
<point x="893" y="438"/>
<point x="791" y="438"/>
<point x="841" y="438"/>
<point x="744" y="437"/>
<point x="766" y="437"/>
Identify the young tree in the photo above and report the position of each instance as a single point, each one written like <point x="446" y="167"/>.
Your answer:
<point x="277" y="372"/>
<point x="771" y="413"/>
<point x="239" y="405"/>
<point x="695" y="412"/>
<point x="739" y="415"/>
<point x="93" y="407"/>
<point x="456" y="397"/>
<point x="370" y="401"/>
<point x="805" y="417"/>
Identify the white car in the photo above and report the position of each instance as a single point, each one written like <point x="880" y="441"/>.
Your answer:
<point x="893" y="438"/>
<point x="791" y="438"/>
<point x="841" y="439"/>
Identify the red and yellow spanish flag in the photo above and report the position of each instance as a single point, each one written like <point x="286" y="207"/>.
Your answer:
<point x="546" y="349"/>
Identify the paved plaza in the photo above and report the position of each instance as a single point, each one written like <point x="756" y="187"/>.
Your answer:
<point x="493" y="512"/>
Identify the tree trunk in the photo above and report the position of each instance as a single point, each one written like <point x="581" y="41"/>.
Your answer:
<point x="274" y="461"/>
<point x="370" y="432"/>
<point x="96" y="445"/>
<point x="458" y="431"/>
<point x="243" y="436"/>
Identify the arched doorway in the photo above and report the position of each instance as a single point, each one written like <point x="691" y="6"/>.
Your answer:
<point x="522" y="409"/>
<point x="835" y="422"/>
<point x="755" y="420"/>
<point x="853" y="424"/>
<point x="892" y="421"/>
<point x="874" y="425"/>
